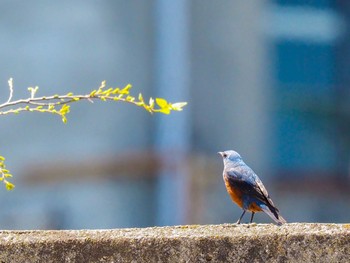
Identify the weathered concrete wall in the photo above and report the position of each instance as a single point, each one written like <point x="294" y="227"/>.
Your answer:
<point x="210" y="243"/>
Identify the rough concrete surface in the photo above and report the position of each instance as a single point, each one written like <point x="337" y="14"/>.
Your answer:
<point x="195" y="243"/>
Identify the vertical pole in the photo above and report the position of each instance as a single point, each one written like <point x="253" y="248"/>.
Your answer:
<point x="172" y="132"/>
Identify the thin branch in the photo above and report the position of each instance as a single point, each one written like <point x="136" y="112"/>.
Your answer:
<point x="59" y="105"/>
<point x="59" y="100"/>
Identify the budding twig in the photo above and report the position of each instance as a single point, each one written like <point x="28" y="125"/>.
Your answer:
<point x="59" y="105"/>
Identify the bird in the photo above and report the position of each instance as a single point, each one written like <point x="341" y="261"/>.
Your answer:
<point x="246" y="189"/>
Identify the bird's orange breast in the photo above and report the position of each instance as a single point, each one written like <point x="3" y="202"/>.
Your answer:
<point x="234" y="192"/>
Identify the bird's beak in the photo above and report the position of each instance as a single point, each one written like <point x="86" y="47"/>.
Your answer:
<point x="221" y="153"/>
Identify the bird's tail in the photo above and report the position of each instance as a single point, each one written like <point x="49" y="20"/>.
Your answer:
<point x="274" y="214"/>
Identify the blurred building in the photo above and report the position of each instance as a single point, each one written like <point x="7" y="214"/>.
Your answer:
<point x="266" y="78"/>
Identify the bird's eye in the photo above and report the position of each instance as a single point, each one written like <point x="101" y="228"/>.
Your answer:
<point x="224" y="155"/>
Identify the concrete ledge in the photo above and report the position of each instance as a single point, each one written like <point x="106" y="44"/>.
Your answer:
<point x="208" y="243"/>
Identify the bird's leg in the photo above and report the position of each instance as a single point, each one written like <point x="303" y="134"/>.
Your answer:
<point x="251" y="218"/>
<point x="239" y="220"/>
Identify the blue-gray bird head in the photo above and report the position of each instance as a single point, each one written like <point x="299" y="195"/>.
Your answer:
<point x="231" y="158"/>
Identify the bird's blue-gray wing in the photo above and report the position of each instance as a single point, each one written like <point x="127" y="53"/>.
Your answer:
<point x="249" y="183"/>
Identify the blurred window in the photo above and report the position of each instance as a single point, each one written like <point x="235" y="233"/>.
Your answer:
<point x="305" y="75"/>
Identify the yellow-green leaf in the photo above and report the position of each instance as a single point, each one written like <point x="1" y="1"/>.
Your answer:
<point x="64" y="119"/>
<point x="162" y="103"/>
<point x="9" y="186"/>
<point x="130" y="98"/>
<point x="65" y="109"/>
<point x="164" y="110"/>
<point x="108" y="91"/>
<point x="93" y="93"/>
<point x="126" y="89"/>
